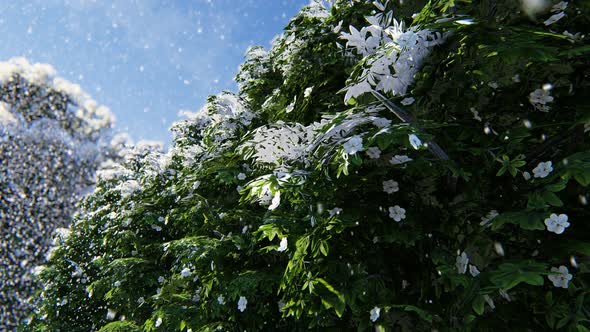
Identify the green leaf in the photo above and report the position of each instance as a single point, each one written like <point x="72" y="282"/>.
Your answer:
<point x="556" y="187"/>
<point x="324" y="248"/>
<point x="524" y="219"/>
<point x="579" y="247"/>
<point x="536" y="201"/>
<point x="582" y="178"/>
<point x="269" y="231"/>
<point x="478" y="304"/>
<point x="509" y="275"/>
<point x="122" y="326"/>
<point x="552" y="199"/>
<point x="577" y="51"/>
<point x="424" y="315"/>
<point x="331" y="298"/>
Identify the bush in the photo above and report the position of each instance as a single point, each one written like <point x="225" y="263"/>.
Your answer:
<point x="366" y="175"/>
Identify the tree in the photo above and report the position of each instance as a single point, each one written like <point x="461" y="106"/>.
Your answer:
<point x="52" y="139"/>
<point x="377" y="169"/>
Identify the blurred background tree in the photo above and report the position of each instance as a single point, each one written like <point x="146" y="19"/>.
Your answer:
<point x="53" y="137"/>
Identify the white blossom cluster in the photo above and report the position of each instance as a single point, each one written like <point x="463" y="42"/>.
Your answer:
<point x="52" y="140"/>
<point x="541" y="97"/>
<point x="395" y="53"/>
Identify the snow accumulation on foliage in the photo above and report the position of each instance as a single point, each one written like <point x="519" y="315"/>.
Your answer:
<point x="372" y="172"/>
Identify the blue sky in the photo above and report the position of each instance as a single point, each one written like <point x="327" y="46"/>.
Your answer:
<point x="144" y="59"/>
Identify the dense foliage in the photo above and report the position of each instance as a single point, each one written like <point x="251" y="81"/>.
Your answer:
<point x="377" y="169"/>
<point x="52" y="138"/>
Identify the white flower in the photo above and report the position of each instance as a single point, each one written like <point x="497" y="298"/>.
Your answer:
<point x="473" y="270"/>
<point x="543" y="169"/>
<point x="557" y="224"/>
<point x="242" y="303"/>
<point x="335" y="211"/>
<point x="158" y="322"/>
<point x="554" y="18"/>
<point x="185" y="272"/>
<point x="375" y="312"/>
<point x="539" y="99"/>
<point x="353" y="145"/>
<point x="283" y="246"/>
<point x="561" y="278"/>
<point x="491" y="215"/>
<point x="307" y="92"/>
<point x="276" y="200"/>
<point x="526" y="175"/>
<point x="493" y="85"/>
<point x="220" y="300"/>
<point x="373" y="152"/>
<point x="398" y="160"/>
<point x="241" y="176"/>
<point x="407" y="101"/>
<point x="397" y="213"/>
<point x="160" y="279"/>
<point x="461" y="263"/>
<point x="415" y="141"/>
<point x="390" y="186"/>
<point x="117" y="283"/>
